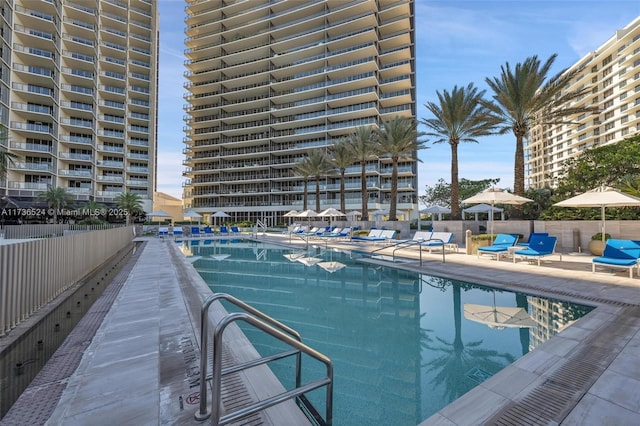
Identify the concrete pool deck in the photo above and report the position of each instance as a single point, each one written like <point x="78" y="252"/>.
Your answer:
<point x="140" y="361"/>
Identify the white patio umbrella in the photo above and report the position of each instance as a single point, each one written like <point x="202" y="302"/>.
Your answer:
<point x="601" y="197"/>
<point x="290" y="213"/>
<point x="498" y="317"/>
<point x="493" y="196"/>
<point x="307" y="213"/>
<point x="330" y="213"/>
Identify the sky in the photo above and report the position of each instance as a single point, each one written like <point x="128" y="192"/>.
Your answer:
<point x="457" y="43"/>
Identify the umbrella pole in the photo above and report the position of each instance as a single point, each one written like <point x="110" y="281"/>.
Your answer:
<point x="603" y="225"/>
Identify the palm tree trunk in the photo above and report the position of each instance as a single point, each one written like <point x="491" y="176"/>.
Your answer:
<point x="343" y="204"/>
<point x="394" y="190"/>
<point x="304" y="197"/>
<point x="363" y="189"/>
<point x="455" y="185"/>
<point x="518" y="176"/>
<point x="318" y="194"/>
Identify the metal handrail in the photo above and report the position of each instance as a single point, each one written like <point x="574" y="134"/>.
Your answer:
<point x="401" y="244"/>
<point x="203" y="413"/>
<point x="300" y="390"/>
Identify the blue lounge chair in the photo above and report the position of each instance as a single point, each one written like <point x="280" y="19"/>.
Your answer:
<point x="619" y="254"/>
<point x="177" y="232"/>
<point x="235" y="230"/>
<point x="224" y="230"/>
<point x="208" y="231"/>
<point x="195" y="231"/>
<point x="163" y="231"/>
<point x="539" y="246"/>
<point x="500" y="245"/>
<point x="531" y="235"/>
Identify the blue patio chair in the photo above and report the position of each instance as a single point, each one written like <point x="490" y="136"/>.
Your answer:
<point x="177" y="232"/>
<point x="163" y="231"/>
<point x="531" y="235"/>
<point x="195" y="231"/>
<point x="224" y="230"/>
<point x="619" y="254"/>
<point x="235" y="230"/>
<point x="440" y="240"/>
<point x="539" y="247"/>
<point x="208" y="231"/>
<point x="500" y="245"/>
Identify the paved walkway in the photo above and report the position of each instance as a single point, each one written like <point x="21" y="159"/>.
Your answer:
<point x="143" y="358"/>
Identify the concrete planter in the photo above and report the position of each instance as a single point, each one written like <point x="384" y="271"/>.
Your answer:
<point x="596" y="247"/>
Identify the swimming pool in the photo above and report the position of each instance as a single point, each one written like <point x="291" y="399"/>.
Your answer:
<point x="403" y="344"/>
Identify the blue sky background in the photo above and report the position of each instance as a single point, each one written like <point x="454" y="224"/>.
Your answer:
<point x="457" y="42"/>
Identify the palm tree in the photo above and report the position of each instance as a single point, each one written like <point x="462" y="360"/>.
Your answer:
<point x="398" y="138"/>
<point x="318" y="164"/>
<point x="362" y="146"/>
<point x="129" y="202"/>
<point x="342" y="158"/>
<point x="459" y="116"/>
<point x="56" y="198"/>
<point x="302" y="169"/>
<point x="524" y="97"/>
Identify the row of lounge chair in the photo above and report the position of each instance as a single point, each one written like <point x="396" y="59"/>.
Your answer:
<point x="618" y="253"/>
<point x="322" y="232"/>
<point x="177" y="231"/>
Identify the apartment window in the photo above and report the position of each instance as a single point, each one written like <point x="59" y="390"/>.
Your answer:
<point x="623" y="95"/>
<point x="606" y="72"/>
<point x="623" y="107"/>
<point x="608" y="104"/>
<point x="608" y="115"/>
<point x="622" y="84"/>
<point x="609" y="126"/>
<point x="607" y="82"/>
<point x="624" y="131"/>
<point x="606" y="61"/>
<point x="621" y="72"/>
<point x="624" y="119"/>
<point x="609" y="137"/>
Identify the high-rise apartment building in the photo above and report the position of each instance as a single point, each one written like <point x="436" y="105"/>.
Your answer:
<point x="612" y="72"/>
<point x="78" y="97"/>
<point x="268" y="81"/>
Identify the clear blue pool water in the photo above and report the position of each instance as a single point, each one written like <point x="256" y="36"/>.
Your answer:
<point x="401" y="343"/>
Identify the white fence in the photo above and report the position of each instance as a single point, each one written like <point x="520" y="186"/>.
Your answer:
<point x="46" y="231"/>
<point x="33" y="273"/>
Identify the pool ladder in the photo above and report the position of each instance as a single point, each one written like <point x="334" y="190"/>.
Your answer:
<point x="281" y="332"/>
<point x="404" y="244"/>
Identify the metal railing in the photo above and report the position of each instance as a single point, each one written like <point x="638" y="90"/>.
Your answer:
<point x="260" y="225"/>
<point x="33" y="273"/>
<point x="404" y="244"/>
<point x="274" y="328"/>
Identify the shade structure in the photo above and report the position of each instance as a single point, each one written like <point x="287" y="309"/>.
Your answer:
<point x="483" y="208"/>
<point x="435" y="209"/>
<point x="498" y="317"/>
<point x="218" y="214"/>
<point x="158" y="213"/>
<point x="493" y="196"/>
<point x="192" y="214"/>
<point x="291" y="213"/>
<point x="602" y="197"/>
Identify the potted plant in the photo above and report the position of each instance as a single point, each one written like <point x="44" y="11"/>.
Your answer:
<point x="596" y="246"/>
